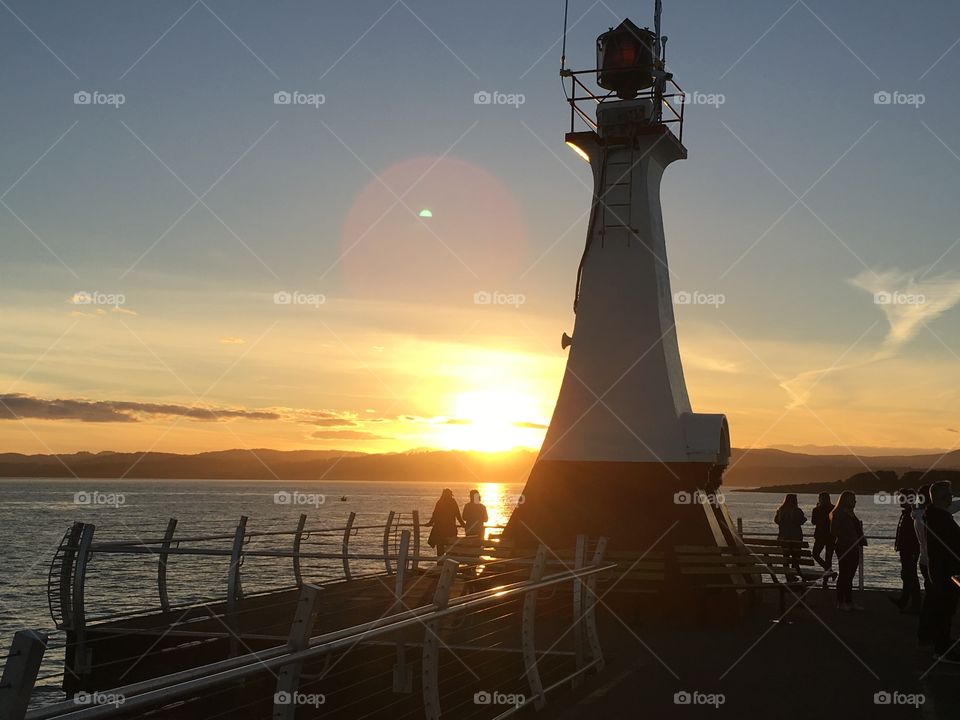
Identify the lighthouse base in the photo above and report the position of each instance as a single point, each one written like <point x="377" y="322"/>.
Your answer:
<point x="639" y="506"/>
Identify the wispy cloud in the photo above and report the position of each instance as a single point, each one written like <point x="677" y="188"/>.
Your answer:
<point x="16" y="406"/>
<point x="908" y="300"/>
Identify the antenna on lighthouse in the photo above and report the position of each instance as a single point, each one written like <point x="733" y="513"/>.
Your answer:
<point x="658" y="11"/>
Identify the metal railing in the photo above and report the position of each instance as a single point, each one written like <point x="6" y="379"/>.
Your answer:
<point x="512" y="601"/>
<point x="665" y="99"/>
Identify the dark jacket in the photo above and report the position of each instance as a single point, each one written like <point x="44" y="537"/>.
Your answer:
<point x="789" y="521"/>
<point x="907" y="542"/>
<point x="847" y="531"/>
<point x="445" y="518"/>
<point x="474" y="516"/>
<point x="821" y="522"/>
<point x="943" y="545"/>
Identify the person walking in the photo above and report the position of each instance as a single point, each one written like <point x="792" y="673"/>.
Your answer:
<point x="907" y="545"/>
<point x="822" y="539"/>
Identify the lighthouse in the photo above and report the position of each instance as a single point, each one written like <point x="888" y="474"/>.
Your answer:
<point x="625" y="456"/>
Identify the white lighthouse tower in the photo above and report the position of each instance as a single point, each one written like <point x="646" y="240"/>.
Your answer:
<point x="625" y="456"/>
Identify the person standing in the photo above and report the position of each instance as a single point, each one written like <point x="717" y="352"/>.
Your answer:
<point x="847" y="532"/>
<point x="475" y="515"/>
<point x="789" y="519"/>
<point x="924" y="628"/>
<point x="943" y="551"/>
<point x="907" y="545"/>
<point x="822" y="539"/>
<point x="444" y="521"/>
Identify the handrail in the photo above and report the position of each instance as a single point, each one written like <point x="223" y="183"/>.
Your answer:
<point x="167" y="688"/>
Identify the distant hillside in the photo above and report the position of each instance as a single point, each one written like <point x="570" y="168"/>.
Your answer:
<point x="766" y="467"/>
<point x="748" y="468"/>
<point x="871" y="483"/>
<point x="261" y="464"/>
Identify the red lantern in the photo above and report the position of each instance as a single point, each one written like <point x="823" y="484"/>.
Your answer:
<point x="626" y="59"/>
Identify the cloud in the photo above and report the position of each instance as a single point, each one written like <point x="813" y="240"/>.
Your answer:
<point x="347" y="435"/>
<point x="456" y="421"/>
<point x="529" y="425"/>
<point x="16" y="406"/>
<point x="233" y="341"/>
<point x="908" y="300"/>
<point x="332" y="422"/>
<point x="953" y="430"/>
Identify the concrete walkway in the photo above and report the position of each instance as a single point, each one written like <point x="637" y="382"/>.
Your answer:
<point x="823" y="663"/>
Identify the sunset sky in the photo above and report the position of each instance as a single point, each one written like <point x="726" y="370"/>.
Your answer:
<point x="200" y="268"/>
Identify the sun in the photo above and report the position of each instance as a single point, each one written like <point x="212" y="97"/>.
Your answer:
<point x="492" y="420"/>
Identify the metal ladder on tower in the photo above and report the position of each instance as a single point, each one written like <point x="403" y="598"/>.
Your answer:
<point x="617" y="198"/>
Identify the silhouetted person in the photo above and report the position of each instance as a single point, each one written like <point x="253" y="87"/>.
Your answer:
<point x="822" y="539"/>
<point x="925" y="626"/>
<point x="847" y="531"/>
<point x="446" y="516"/>
<point x="789" y="519"/>
<point x="908" y="546"/>
<point x="474" y="515"/>
<point x="943" y="551"/>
